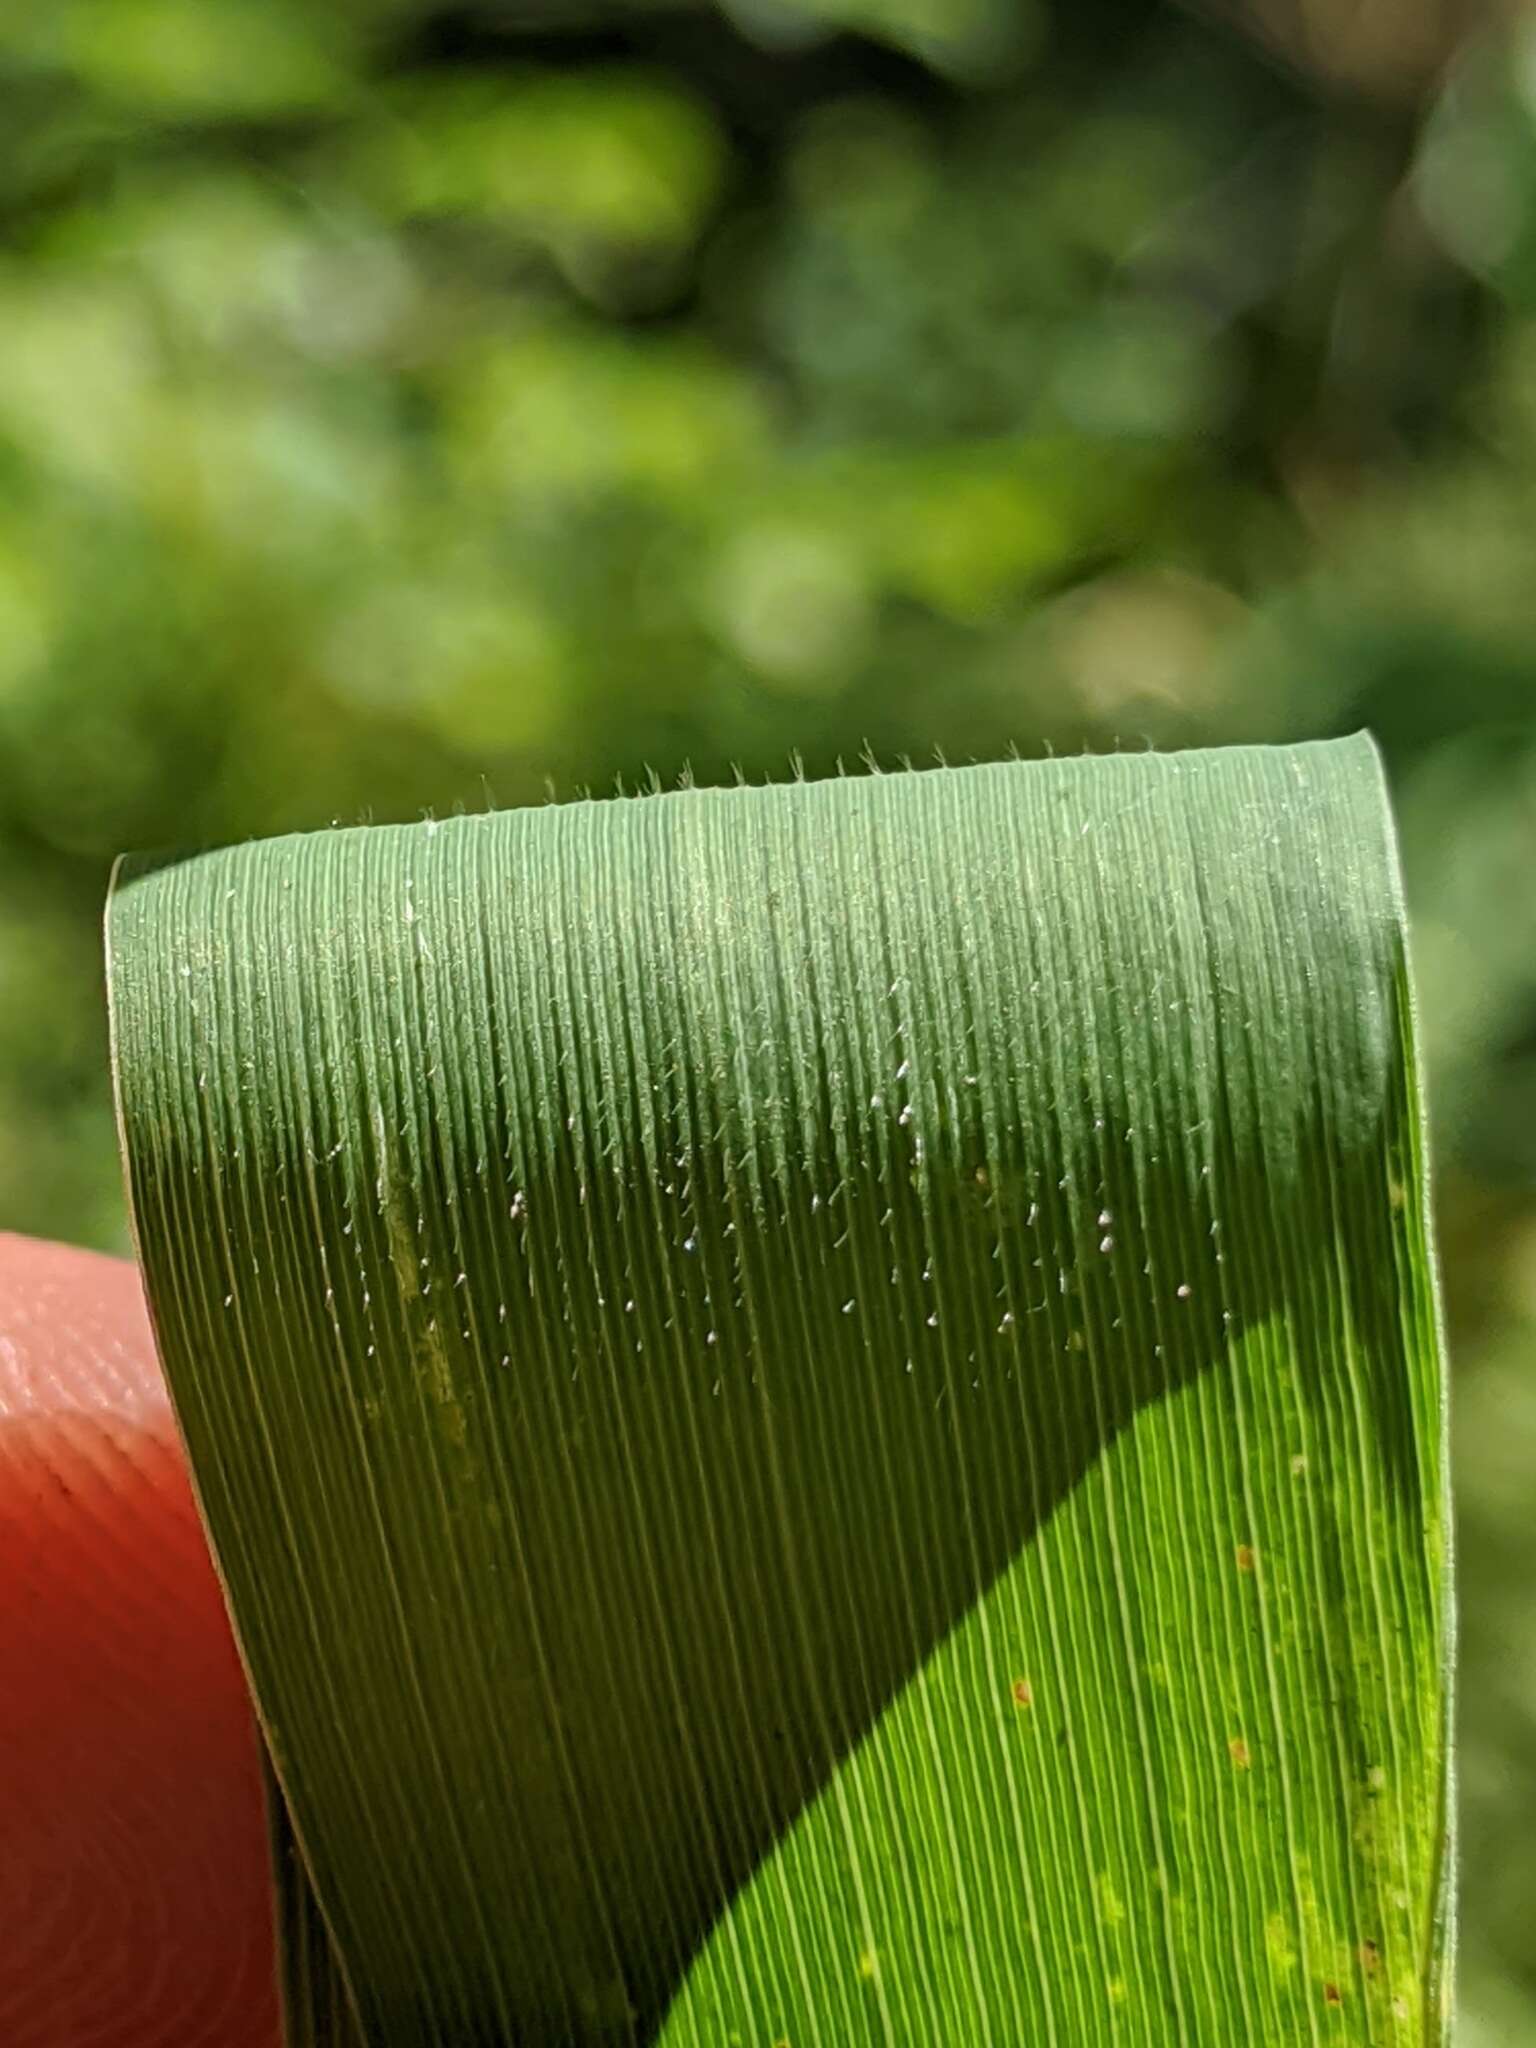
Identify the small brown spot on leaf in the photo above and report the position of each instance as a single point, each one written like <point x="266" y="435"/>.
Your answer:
<point x="1238" y="1750"/>
<point x="1245" y="1557"/>
<point x="1023" y="1693"/>
<point x="1332" y="1995"/>
<point x="1370" y="1957"/>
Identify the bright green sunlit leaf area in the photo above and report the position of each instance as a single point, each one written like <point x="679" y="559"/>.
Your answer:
<point x="820" y="1406"/>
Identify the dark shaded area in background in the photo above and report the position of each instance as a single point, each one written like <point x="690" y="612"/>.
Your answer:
<point x="406" y="405"/>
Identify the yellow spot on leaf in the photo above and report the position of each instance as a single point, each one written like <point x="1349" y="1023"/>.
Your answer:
<point x="1111" y="1908"/>
<point x="1245" y="1557"/>
<point x="1023" y="1693"/>
<point x="1237" y="1749"/>
<point x="1277" y="1940"/>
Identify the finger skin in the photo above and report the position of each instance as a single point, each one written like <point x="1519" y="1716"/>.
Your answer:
<point x="135" y="1907"/>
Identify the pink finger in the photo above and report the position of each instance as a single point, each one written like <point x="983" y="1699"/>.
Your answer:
<point x="134" y="1889"/>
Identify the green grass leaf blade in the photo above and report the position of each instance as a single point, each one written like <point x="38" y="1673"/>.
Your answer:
<point x="822" y="1407"/>
<point x="317" y="2006"/>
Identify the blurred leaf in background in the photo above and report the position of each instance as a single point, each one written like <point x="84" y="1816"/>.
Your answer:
<point x="407" y="404"/>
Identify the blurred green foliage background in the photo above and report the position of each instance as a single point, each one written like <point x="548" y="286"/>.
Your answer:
<point x="407" y="404"/>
